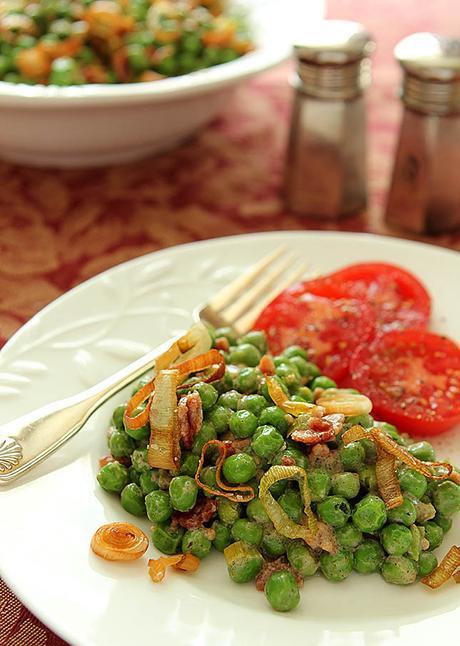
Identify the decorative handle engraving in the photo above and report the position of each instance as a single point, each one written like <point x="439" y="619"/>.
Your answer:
<point x="10" y="454"/>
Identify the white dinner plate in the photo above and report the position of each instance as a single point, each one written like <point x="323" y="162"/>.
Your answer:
<point x="48" y="518"/>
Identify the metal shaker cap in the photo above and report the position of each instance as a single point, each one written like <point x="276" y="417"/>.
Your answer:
<point x="332" y="58"/>
<point x="431" y="65"/>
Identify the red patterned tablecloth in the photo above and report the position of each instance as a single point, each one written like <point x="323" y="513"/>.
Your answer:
<point x="59" y="228"/>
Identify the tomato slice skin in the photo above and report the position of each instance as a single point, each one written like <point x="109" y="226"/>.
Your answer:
<point x="330" y="328"/>
<point x="399" y="299"/>
<point x="412" y="378"/>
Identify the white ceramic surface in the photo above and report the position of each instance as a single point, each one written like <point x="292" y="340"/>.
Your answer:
<point x="93" y="125"/>
<point x="47" y="519"/>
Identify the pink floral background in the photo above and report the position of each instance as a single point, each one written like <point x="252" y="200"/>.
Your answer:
<point x="58" y="228"/>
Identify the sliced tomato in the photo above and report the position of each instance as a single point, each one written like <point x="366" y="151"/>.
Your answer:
<point x="331" y="329"/>
<point x="399" y="299"/>
<point x="412" y="378"/>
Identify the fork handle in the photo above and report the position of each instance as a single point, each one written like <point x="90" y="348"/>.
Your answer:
<point x="26" y="441"/>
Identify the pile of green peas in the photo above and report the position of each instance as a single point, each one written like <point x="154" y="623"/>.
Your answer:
<point x="398" y="544"/>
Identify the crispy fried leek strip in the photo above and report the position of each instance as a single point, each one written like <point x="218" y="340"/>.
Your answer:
<point x="119" y="542"/>
<point x="388" y="451"/>
<point x="211" y="359"/>
<point x="192" y="344"/>
<point x="239" y="493"/>
<point x="341" y="400"/>
<point x="283" y="524"/>
<point x="445" y="570"/>
<point x="282" y="400"/>
<point x="164" y="449"/>
<point x="182" y="562"/>
<point x="387" y="481"/>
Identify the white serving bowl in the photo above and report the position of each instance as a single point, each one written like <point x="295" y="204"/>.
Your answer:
<point x="93" y="125"/>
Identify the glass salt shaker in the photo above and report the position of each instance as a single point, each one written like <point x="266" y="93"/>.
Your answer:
<point x="425" y="190"/>
<point x="326" y="156"/>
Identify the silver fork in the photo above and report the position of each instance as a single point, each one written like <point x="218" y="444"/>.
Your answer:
<point x="26" y="441"/>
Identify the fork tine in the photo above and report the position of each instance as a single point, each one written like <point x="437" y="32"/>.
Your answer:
<point x="224" y="297"/>
<point x="245" y="322"/>
<point x="247" y="298"/>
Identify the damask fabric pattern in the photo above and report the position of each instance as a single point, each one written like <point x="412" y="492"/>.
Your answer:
<point x="58" y="228"/>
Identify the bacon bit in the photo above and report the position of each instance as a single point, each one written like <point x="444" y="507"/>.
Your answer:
<point x="202" y="513"/>
<point x="120" y="65"/>
<point x="189" y="418"/>
<point x="455" y="477"/>
<point x="94" y="73"/>
<point x="222" y="344"/>
<point x="317" y="430"/>
<point x="287" y="461"/>
<point x="446" y="569"/>
<point x="106" y="460"/>
<point x="241" y="493"/>
<point x="270" y="568"/>
<point x="266" y="365"/>
<point x="149" y="75"/>
<point x="320" y="451"/>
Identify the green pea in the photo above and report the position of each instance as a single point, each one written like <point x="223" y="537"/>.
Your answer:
<point x="396" y="539"/>
<point x="273" y="544"/>
<point x="117" y="417"/>
<point x="133" y="475"/>
<point x="247" y="531"/>
<point x="334" y="510"/>
<point x="302" y="367"/>
<point x="256" y="511"/>
<point x="256" y="338"/>
<point x="274" y="416"/>
<point x="291" y="502"/>
<point x="346" y="484"/>
<point x="239" y="468"/>
<point x="392" y="432"/>
<point x="423" y="451"/>
<point x="289" y="374"/>
<point x="61" y="28"/>
<point x="113" y="477"/>
<point x="399" y="570"/>
<point x="295" y="351"/>
<point x="219" y="417"/>
<point x="121" y="445"/>
<point x="412" y="482"/>
<point x="207" y="432"/>
<point x="368" y="557"/>
<point x="366" y="421"/>
<point x="191" y="42"/>
<point x="370" y="514"/>
<point x="137" y="57"/>
<point x="228" y="511"/>
<point x="139" y="460"/>
<point x="183" y="492"/>
<point x="348" y="536"/>
<point x="253" y="403"/>
<point x="230" y="399"/>
<point x="282" y="591"/>
<point x="323" y="382"/>
<point x="223" y="536"/>
<point x="445" y="522"/>
<point x="141" y="434"/>
<point x="370" y="451"/>
<point x="246" y="567"/>
<point x="158" y="506"/>
<point x="226" y="332"/>
<point x="208" y="477"/>
<point x="352" y="456"/>
<point x="197" y="543"/>
<point x="433" y="534"/>
<point x="243" y="423"/>
<point x="147" y="482"/>
<point x="166" y="539"/>
<point x="336" y="567"/>
<point x="305" y="394"/>
<point x="248" y="380"/>
<point x="168" y="66"/>
<point x="301" y="558"/>
<point x="368" y="477"/>
<point x="446" y="498"/>
<point x="246" y="354"/>
<point x="427" y="562"/>
<point x="299" y="458"/>
<point x="208" y="394"/>
<point x="405" y="513"/>
<point x="267" y="443"/>
<point x="65" y="71"/>
<point x="132" y="499"/>
<point x="189" y="464"/>
<point x="319" y="483"/>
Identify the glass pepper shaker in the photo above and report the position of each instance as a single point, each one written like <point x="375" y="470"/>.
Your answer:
<point x="425" y="190"/>
<point x="326" y="156"/>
